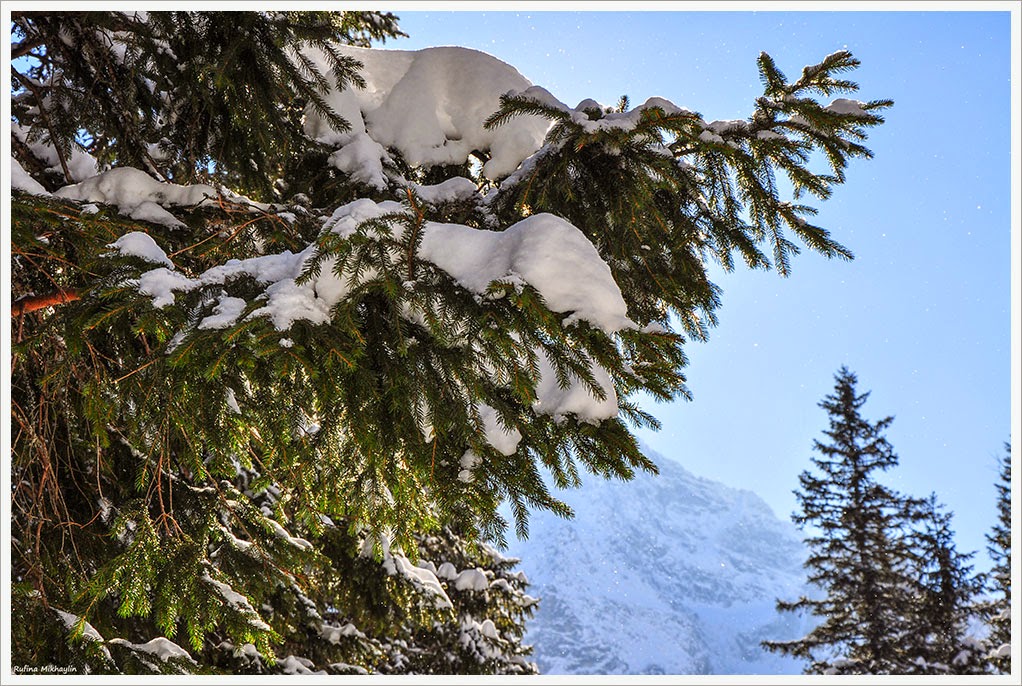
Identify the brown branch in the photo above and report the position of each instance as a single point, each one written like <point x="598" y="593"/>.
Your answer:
<point x="32" y="303"/>
<point x="23" y="48"/>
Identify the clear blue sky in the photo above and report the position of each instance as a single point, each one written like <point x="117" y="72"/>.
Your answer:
<point x="922" y="314"/>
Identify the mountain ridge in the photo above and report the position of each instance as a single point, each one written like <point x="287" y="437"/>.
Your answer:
<point x="667" y="574"/>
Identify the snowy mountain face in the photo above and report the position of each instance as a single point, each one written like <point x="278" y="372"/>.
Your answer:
<point x="668" y="574"/>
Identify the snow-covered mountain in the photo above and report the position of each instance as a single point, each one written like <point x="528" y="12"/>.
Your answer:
<point x="671" y="574"/>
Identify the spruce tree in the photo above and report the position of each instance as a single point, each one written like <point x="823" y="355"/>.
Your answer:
<point x="860" y="558"/>
<point x="265" y="403"/>
<point x="940" y="640"/>
<point x="998" y="610"/>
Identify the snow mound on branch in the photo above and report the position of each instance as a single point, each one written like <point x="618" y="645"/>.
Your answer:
<point x="80" y="164"/>
<point x="140" y="196"/>
<point x="430" y="105"/>
<point x="607" y="120"/>
<point x="236" y="601"/>
<point x="576" y="399"/>
<point x="505" y="440"/>
<point x="395" y="563"/>
<point x="129" y="187"/>
<point x="544" y="251"/>
<point x="21" y="181"/>
<point x="140" y="244"/>
<point x="161" y="647"/>
<point x="71" y="623"/>
<point x="472" y="580"/>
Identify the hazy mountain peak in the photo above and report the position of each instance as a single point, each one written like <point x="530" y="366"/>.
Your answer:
<point x="663" y="574"/>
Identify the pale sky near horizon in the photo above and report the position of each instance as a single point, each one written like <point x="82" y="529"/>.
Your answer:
<point x="922" y="314"/>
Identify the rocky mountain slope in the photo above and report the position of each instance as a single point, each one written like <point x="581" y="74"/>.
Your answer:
<point x="669" y="574"/>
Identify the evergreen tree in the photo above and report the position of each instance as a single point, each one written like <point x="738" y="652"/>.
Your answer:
<point x="269" y="432"/>
<point x="998" y="610"/>
<point x="860" y="557"/>
<point x="941" y="641"/>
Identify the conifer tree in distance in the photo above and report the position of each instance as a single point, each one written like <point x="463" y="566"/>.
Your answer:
<point x="282" y="347"/>
<point x="999" y="546"/>
<point x="940" y="640"/>
<point x="858" y="557"/>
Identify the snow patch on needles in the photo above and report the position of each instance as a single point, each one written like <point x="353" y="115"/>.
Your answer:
<point x="140" y="244"/>
<point x="846" y="106"/>
<point x="580" y="114"/>
<point x="396" y="564"/>
<point x="161" y="647"/>
<point x="236" y="601"/>
<point x="471" y="580"/>
<point x="504" y="440"/>
<point x="576" y="399"/>
<point x="89" y="632"/>
<point x="140" y="196"/>
<point x="21" y="181"/>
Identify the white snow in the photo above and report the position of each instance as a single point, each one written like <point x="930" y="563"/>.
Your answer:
<point x="283" y="534"/>
<point x="129" y="188"/>
<point x="611" y="120"/>
<point x="105" y="508"/>
<point x="447" y="571"/>
<point x="71" y="622"/>
<point x="633" y="584"/>
<point x="544" y="251"/>
<point x="504" y="440"/>
<point x="148" y="211"/>
<point x="423" y="578"/>
<point x="430" y="105"/>
<point x="488" y="629"/>
<point x="161" y="284"/>
<point x="846" y="106"/>
<point x="232" y="401"/>
<point x="20" y="180"/>
<point x="362" y="158"/>
<point x="297" y="665"/>
<point x="236" y="601"/>
<point x="333" y="634"/>
<point x="452" y="190"/>
<point x="140" y="196"/>
<point x="140" y="244"/>
<point x="80" y="164"/>
<point x="471" y="580"/>
<point x="724" y="125"/>
<point x="160" y="646"/>
<point x="576" y="399"/>
<point x="225" y="313"/>
<point x="469" y="461"/>
<point x="395" y="563"/>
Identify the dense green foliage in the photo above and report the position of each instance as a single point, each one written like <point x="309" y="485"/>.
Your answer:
<point x="242" y="498"/>
<point x="184" y="95"/>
